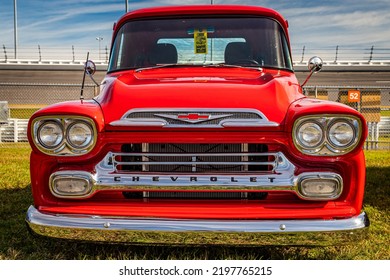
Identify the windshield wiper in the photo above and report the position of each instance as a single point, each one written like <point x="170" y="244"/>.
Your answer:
<point x="162" y="66"/>
<point x="222" y="64"/>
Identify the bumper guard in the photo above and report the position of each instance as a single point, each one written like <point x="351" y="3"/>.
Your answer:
<point x="198" y="232"/>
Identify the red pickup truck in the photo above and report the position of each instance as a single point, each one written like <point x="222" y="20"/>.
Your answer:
<point x="200" y="135"/>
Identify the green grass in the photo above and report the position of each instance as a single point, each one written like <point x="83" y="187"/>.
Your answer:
<point x="17" y="243"/>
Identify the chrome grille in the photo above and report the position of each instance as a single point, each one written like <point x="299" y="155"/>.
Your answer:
<point x="172" y="117"/>
<point x="194" y="118"/>
<point x="194" y="158"/>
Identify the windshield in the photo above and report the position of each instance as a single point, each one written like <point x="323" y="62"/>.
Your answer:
<point x="257" y="42"/>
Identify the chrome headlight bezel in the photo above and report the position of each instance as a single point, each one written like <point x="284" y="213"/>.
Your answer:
<point x="60" y="139"/>
<point x="328" y="147"/>
<point x="65" y="147"/>
<point x="330" y="137"/>
<point x="89" y="138"/>
<point x="300" y="131"/>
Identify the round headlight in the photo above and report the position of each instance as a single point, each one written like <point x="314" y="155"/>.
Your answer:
<point x="79" y="135"/>
<point x="310" y="135"/>
<point x="341" y="134"/>
<point x="50" y="134"/>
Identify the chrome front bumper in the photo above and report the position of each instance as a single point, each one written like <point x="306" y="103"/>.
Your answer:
<point x="181" y="232"/>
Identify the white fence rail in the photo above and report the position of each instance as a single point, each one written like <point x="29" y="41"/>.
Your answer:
<point x="14" y="130"/>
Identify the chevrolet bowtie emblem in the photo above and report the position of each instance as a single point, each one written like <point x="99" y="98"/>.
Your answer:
<point x="192" y="117"/>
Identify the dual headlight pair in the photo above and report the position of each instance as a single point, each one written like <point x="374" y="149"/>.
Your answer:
<point x="64" y="135"/>
<point x="326" y="135"/>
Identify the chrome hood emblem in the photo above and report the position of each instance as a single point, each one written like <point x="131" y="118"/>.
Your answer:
<point x="192" y="117"/>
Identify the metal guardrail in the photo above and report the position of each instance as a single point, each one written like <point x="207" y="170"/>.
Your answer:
<point x="337" y="58"/>
<point x="339" y="53"/>
<point x="76" y="55"/>
<point x="348" y="65"/>
<point x="38" y="53"/>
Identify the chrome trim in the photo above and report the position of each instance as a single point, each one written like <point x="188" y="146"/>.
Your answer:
<point x="301" y="141"/>
<point x="315" y="64"/>
<point x="182" y="231"/>
<point x="315" y="175"/>
<point x="209" y="117"/>
<point x="175" y="182"/>
<point x="63" y="149"/>
<point x="194" y="159"/>
<point x="39" y="140"/>
<point x="327" y="148"/>
<point x="141" y="122"/>
<point x="281" y="177"/>
<point x="81" y="175"/>
<point x="37" y="124"/>
<point x="67" y="132"/>
<point x="164" y="114"/>
<point x="248" y="123"/>
<point x="195" y="183"/>
<point x="107" y="177"/>
<point x="354" y="141"/>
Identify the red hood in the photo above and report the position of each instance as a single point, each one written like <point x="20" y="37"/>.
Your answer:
<point x="270" y="92"/>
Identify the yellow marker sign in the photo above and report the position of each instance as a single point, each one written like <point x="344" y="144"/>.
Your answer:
<point x="200" y="41"/>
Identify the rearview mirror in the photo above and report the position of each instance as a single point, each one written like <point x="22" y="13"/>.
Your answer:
<point x="89" y="67"/>
<point x="315" y="64"/>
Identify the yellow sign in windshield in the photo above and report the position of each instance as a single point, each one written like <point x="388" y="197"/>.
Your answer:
<point x="200" y="41"/>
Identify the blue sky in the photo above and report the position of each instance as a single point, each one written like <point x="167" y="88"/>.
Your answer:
<point x="315" y="24"/>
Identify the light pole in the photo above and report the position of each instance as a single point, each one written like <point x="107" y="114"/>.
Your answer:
<point x="99" y="39"/>
<point x="15" y="29"/>
<point x="127" y="5"/>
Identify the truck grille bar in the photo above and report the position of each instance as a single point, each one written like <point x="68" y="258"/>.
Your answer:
<point x="197" y="162"/>
<point x="193" y="158"/>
